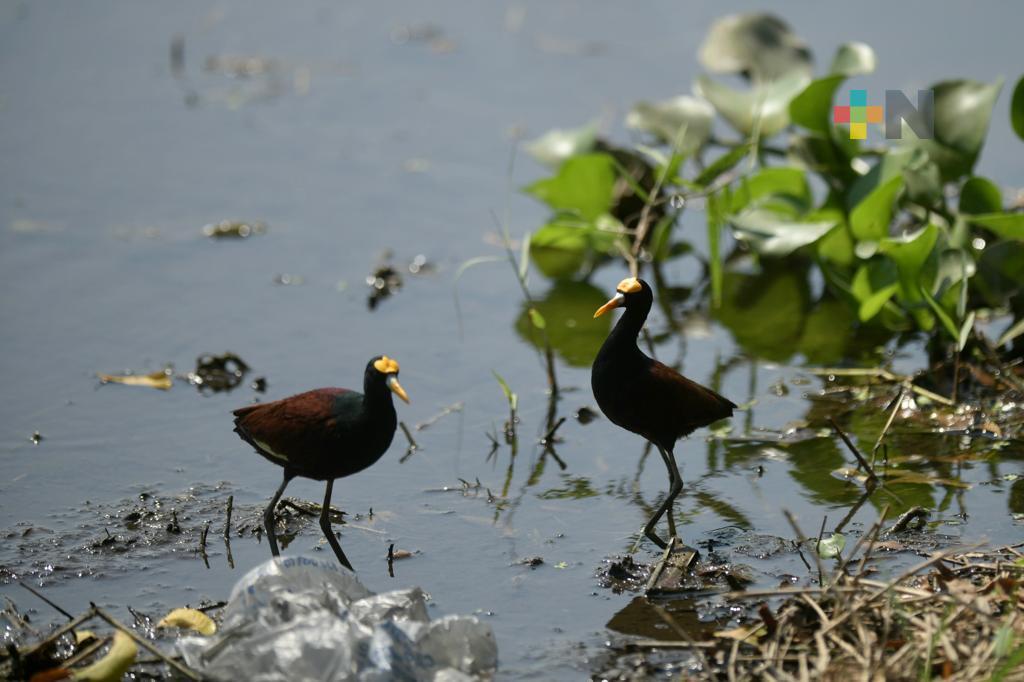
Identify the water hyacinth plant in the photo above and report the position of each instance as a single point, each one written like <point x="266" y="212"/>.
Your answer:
<point x="827" y="232"/>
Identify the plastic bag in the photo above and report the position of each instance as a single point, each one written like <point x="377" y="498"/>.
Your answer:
<point x="305" y="618"/>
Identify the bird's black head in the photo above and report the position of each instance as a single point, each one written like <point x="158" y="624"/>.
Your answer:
<point x="384" y="370"/>
<point x="631" y="292"/>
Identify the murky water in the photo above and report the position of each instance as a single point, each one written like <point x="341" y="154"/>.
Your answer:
<point x="353" y="131"/>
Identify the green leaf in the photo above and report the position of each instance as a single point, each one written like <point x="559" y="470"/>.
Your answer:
<point x="963" y="109"/>
<point x="980" y="195"/>
<point x="510" y="396"/>
<point x="524" y="258"/>
<point x="922" y="179"/>
<point x="559" y="249"/>
<point x="563" y="246"/>
<point x="583" y="186"/>
<point x="853" y="59"/>
<point x="1012" y="663"/>
<point x="965" y="331"/>
<point x="660" y="246"/>
<point x="873" y="304"/>
<point x="872" y="286"/>
<point x="761" y="45"/>
<point x="1000" y="273"/>
<point x="947" y="322"/>
<point x="715" y="223"/>
<point x="812" y="108"/>
<point x="910" y="254"/>
<point x="537" y="319"/>
<point x="837" y="246"/>
<point x="827" y="154"/>
<point x="665" y="119"/>
<point x="786" y="181"/>
<point x="555" y="146"/>
<point x="722" y="164"/>
<point x="890" y="165"/>
<point x="764" y="107"/>
<point x="1006" y="225"/>
<point x="870" y="219"/>
<point x="1017" y="109"/>
<point x="771" y="234"/>
<point x="1011" y="333"/>
<point x="832" y="546"/>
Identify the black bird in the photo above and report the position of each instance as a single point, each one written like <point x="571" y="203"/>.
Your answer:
<point x="646" y="397"/>
<point x="324" y="434"/>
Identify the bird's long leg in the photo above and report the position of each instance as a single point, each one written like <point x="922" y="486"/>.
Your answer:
<point x="675" y="486"/>
<point x="325" y="526"/>
<point x="268" y="516"/>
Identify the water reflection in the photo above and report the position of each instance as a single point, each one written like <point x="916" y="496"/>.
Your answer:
<point x="643" y="618"/>
<point x="568" y="310"/>
<point x="774" y="315"/>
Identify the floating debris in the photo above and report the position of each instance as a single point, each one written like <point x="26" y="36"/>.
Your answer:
<point x="189" y="619"/>
<point x="585" y="415"/>
<point x="386" y="279"/>
<point x="240" y="66"/>
<point x="216" y="373"/>
<point x="430" y="34"/>
<point x="234" y="229"/>
<point x="284" y="279"/>
<point x="162" y="379"/>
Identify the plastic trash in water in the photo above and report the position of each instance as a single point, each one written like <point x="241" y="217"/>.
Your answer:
<point x="305" y="618"/>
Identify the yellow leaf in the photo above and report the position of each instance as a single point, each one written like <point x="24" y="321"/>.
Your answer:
<point x="112" y="667"/>
<point x="189" y="619"/>
<point x="161" y="379"/>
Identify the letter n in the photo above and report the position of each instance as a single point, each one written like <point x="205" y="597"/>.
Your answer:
<point x="899" y="110"/>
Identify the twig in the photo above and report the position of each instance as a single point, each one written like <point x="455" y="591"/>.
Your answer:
<point x="50" y="603"/>
<point x="391" y="560"/>
<point x="85" y="652"/>
<point x="872" y="536"/>
<point x="880" y="373"/>
<point x="853" y="448"/>
<point x="547" y="439"/>
<point x="800" y="537"/>
<point x="817" y="548"/>
<point x="891" y="585"/>
<point x="59" y="632"/>
<point x="145" y="644"/>
<point x="906" y="518"/>
<point x="412" y="442"/>
<point x="305" y="511"/>
<point x="885" y="429"/>
<point x="227" y="521"/>
<point x="202" y="543"/>
<point x="430" y="421"/>
<point x="671" y="622"/>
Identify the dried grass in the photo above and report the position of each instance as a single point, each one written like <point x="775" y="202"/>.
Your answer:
<point x="953" y="616"/>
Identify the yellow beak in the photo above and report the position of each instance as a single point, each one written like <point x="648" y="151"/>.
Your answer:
<point x="616" y="302"/>
<point x="396" y="388"/>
